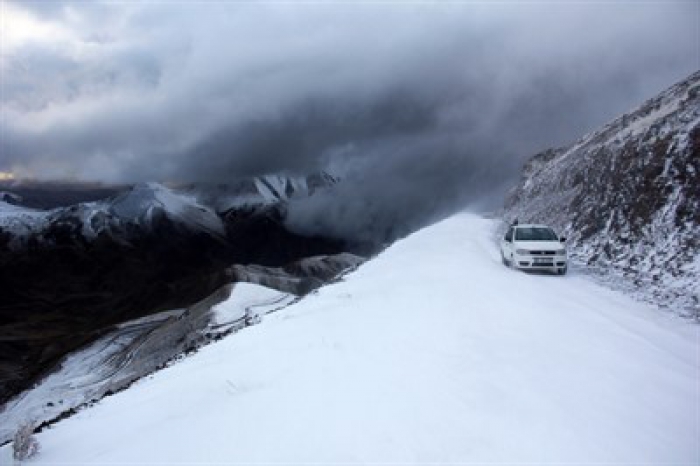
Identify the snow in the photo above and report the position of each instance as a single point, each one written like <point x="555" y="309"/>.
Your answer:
<point x="431" y="353"/>
<point x="261" y="191"/>
<point x="82" y="376"/>
<point x="8" y="210"/>
<point x="273" y="188"/>
<point x="264" y="191"/>
<point x="249" y="300"/>
<point x="20" y="220"/>
<point x="643" y="123"/>
<point x="138" y="205"/>
<point x="141" y="200"/>
<point x="111" y="362"/>
<point x="6" y="207"/>
<point x="642" y="249"/>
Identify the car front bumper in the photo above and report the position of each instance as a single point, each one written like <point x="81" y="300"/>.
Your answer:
<point x="539" y="262"/>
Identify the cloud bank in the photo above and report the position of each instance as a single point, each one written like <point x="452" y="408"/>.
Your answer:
<point x="433" y="103"/>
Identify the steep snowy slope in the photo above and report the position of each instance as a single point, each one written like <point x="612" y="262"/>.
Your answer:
<point x="431" y="353"/>
<point x="628" y="197"/>
<point x="134" y="349"/>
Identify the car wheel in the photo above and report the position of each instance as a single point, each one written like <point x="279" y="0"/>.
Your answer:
<point x="505" y="261"/>
<point x="562" y="271"/>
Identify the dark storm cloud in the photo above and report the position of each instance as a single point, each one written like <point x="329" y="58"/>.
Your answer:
<point x="419" y="107"/>
<point x="307" y="134"/>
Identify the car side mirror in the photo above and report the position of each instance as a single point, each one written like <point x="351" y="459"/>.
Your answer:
<point x="562" y="239"/>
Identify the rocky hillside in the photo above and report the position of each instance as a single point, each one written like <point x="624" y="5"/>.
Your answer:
<point x="628" y="197"/>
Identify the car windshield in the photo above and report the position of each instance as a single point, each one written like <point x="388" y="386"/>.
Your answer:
<point x="535" y="234"/>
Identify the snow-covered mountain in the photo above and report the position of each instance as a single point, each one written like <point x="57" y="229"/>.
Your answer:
<point x="628" y="197"/>
<point x="71" y="273"/>
<point x="128" y="215"/>
<point x="143" y="206"/>
<point x="259" y="191"/>
<point x="417" y="357"/>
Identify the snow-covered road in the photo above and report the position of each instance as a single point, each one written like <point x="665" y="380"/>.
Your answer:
<point x="431" y="353"/>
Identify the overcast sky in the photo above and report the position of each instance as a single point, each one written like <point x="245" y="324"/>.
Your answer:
<point x="422" y="96"/>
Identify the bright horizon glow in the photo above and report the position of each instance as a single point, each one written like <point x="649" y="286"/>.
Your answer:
<point x="5" y="176"/>
<point x="21" y="27"/>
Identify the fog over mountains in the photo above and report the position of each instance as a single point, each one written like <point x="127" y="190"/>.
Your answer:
<point x="422" y="107"/>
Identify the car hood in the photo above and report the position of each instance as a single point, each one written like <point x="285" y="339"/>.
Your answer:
<point x="539" y="245"/>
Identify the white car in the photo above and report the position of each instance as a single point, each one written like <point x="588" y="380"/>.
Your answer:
<point x="534" y="247"/>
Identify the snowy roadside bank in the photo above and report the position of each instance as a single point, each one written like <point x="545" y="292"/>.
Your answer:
<point x="432" y="352"/>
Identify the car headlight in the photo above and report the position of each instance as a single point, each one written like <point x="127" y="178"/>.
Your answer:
<point x="522" y="252"/>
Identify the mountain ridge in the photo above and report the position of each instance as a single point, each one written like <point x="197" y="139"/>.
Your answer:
<point x="70" y="274"/>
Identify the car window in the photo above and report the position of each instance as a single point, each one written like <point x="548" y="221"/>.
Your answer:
<point x="509" y="234"/>
<point x="535" y="234"/>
